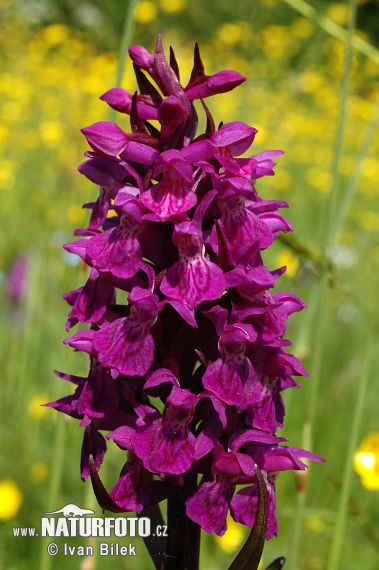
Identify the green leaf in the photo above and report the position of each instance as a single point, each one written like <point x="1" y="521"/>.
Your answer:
<point x="156" y="545"/>
<point x="250" y="555"/>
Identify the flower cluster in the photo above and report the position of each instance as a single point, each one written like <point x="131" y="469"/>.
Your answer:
<point x="187" y="376"/>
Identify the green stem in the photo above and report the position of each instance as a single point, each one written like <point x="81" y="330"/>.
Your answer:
<point x="184" y="534"/>
<point x="321" y="315"/>
<point x="293" y="548"/>
<point x="332" y="205"/>
<point x="335" y="554"/>
<point x="353" y="184"/>
<point x="307" y="436"/>
<point x="125" y="42"/>
<point x="56" y="478"/>
<point x="333" y="29"/>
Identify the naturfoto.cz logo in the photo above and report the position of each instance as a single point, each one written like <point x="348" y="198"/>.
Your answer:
<point x="75" y="523"/>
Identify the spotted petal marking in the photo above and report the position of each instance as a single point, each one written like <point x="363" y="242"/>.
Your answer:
<point x="193" y="278"/>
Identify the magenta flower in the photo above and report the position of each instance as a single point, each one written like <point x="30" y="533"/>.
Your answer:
<point x="193" y="278"/>
<point x="173" y="195"/>
<point x="118" y="250"/>
<point x="125" y="344"/>
<point x="16" y="281"/>
<point x="89" y="303"/>
<point x="165" y="443"/>
<point x="210" y="503"/>
<point x="272" y="460"/>
<point x="232" y="377"/>
<point x="178" y="229"/>
<point x="107" y="139"/>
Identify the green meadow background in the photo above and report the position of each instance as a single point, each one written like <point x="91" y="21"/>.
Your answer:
<point x="312" y="89"/>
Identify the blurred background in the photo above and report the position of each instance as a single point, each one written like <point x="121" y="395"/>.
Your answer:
<point x="57" y="57"/>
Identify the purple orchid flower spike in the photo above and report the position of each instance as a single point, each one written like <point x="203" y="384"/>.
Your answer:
<point x="187" y="348"/>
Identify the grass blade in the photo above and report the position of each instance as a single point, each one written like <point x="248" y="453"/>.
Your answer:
<point x="335" y="553"/>
<point x="333" y="29"/>
<point x="125" y="42"/>
<point x="321" y="292"/>
<point x="354" y="180"/>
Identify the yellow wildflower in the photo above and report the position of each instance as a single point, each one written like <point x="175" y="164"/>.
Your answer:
<point x="36" y="410"/>
<point x="282" y="181"/>
<point x="76" y="214"/>
<point x="302" y="27"/>
<point x="338" y="12"/>
<point x="315" y="525"/>
<point x="145" y="12"/>
<point x="10" y="499"/>
<point x="371" y="169"/>
<point x="310" y="81"/>
<point x="232" y="33"/>
<point x="232" y="538"/>
<point x="172" y="6"/>
<point x="320" y="179"/>
<point x="368" y="220"/>
<point x="6" y="174"/>
<point x="39" y="472"/>
<point x="366" y="461"/>
<point x="55" y="34"/>
<point x="275" y="42"/>
<point x="51" y="133"/>
<point x="288" y="258"/>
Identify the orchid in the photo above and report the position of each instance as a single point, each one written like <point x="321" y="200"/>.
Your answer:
<point x="178" y="225"/>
